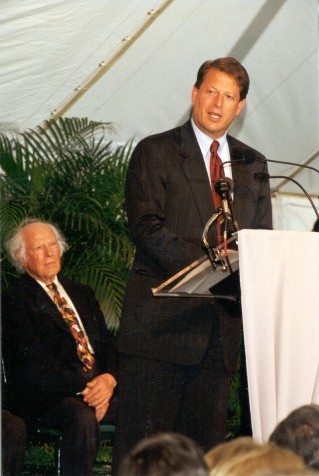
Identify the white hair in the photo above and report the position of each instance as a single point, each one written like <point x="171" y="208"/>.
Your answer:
<point x="16" y="245"/>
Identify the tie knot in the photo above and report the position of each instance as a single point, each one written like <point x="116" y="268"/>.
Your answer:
<point x="52" y="287"/>
<point x="214" y="147"/>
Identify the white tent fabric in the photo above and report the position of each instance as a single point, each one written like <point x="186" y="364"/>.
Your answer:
<point x="133" y="63"/>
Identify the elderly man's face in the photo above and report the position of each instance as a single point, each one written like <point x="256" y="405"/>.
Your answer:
<point x="43" y="259"/>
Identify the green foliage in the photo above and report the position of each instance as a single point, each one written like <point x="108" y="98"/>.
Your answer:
<point x="234" y="408"/>
<point x="39" y="460"/>
<point x="67" y="172"/>
<point x="40" y="455"/>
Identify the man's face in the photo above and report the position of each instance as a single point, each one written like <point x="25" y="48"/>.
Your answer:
<point x="43" y="259"/>
<point x="216" y="103"/>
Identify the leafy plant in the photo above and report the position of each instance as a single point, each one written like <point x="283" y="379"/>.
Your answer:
<point x="67" y="172"/>
<point x="39" y="460"/>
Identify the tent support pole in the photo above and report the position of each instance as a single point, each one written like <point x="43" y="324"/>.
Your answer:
<point x="104" y="66"/>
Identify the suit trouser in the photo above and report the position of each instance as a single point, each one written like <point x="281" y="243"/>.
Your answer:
<point x="81" y="434"/>
<point x="14" y="438"/>
<point x="156" y="396"/>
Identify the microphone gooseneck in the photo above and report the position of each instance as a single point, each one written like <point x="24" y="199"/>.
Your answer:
<point x="303" y="166"/>
<point x="249" y="156"/>
<point x="264" y="176"/>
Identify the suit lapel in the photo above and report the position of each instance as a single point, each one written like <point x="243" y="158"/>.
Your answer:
<point x="236" y="158"/>
<point x="242" y="178"/>
<point x="43" y="302"/>
<point x="194" y="168"/>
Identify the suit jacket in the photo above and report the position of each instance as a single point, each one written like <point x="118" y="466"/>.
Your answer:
<point x="40" y="352"/>
<point x="169" y="201"/>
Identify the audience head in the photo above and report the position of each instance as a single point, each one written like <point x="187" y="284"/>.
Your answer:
<point x="36" y="248"/>
<point x="164" y="454"/>
<point x="229" y="449"/>
<point x="299" y="432"/>
<point x="289" y="472"/>
<point x="267" y="458"/>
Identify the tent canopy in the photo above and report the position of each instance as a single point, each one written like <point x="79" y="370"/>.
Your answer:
<point x="133" y="63"/>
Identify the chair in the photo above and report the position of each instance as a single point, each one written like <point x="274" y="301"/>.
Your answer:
<point x="53" y="437"/>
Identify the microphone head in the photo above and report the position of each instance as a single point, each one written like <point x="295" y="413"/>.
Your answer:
<point x="223" y="186"/>
<point x="248" y="156"/>
<point x="261" y="176"/>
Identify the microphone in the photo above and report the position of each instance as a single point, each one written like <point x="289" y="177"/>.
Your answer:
<point x="290" y="163"/>
<point x="264" y="176"/>
<point x="249" y="156"/>
<point x="224" y="186"/>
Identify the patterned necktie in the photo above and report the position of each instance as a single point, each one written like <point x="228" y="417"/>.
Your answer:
<point x="216" y="172"/>
<point x="70" y="318"/>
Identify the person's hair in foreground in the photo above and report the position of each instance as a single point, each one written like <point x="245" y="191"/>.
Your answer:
<point x="299" y="432"/>
<point x="289" y="472"/>
<point x="265" y="458"/>
<point x="229" y="449"/>
<point x="164" y="454"/>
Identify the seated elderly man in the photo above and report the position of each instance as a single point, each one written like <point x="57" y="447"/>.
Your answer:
<point x="61" y="357"/>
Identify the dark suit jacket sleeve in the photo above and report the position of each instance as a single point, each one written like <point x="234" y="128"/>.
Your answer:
<point x="156" y="203"/>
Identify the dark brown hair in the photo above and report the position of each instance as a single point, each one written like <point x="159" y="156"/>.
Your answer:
<point x="299" y="432"/>
<point x="164" y="454"/>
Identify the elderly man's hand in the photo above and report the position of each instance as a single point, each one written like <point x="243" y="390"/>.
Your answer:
<point x="98" y="393"/>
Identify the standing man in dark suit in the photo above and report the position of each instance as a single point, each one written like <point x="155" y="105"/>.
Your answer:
<point x="177" y="354"/>
<point x="61" y="357"/>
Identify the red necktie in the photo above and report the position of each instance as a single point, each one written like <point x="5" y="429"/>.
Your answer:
<point x="70" y="318"/>
<point x="216" y="172"/>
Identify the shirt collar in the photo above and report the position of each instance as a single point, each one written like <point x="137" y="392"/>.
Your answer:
<point x="44" y="286"/>
<point x="205" y="141"/>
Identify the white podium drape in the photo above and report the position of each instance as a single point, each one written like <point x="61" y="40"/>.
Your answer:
<point x="279" y="276"/>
